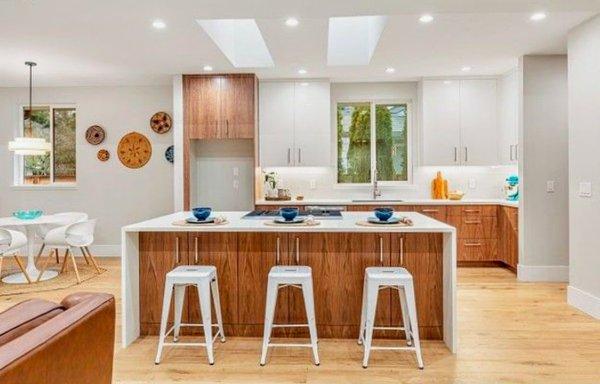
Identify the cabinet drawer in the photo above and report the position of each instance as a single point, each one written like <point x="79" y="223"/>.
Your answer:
<point x="437" y="212"/>
<point x="477" y="249"/>
<point x="474" y="227"/>
<point x="472" y="210"/>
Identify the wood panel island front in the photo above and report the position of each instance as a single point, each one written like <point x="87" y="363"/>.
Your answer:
<point x="337" y="250"/>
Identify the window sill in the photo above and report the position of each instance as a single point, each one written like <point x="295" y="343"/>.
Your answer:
<point x="44" y="187"/>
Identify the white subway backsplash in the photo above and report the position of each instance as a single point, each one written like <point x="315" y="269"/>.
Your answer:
<point x="488" y="182"/>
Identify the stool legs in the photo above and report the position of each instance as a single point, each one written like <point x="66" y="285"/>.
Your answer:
<point x="405" y="319"/>
<point x="414" y="326"/>
<point x="309" y="304"/>
<point x="205" y="310"/>
<point x="372" y="292"/>
<point x="179" y="300"/>
<point x="363" y="313"/>
<point x="272" y="290"/>
<point x="163" y="320"/>
<point x="214" y="285"/>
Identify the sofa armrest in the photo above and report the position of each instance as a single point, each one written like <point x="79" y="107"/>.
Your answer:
<point x="76" y="346"/>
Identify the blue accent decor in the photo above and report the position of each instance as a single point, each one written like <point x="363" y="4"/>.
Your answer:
<point x="170" y="154"/>
<point x="28" y="215"/>
<point x="288" y="213"/>
<point x="201" y="213"/>
<point x="383" y="214"/>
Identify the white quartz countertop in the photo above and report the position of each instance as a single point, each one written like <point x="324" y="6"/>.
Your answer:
<point x="383" y="201"/>
<point x="236" y="223"/>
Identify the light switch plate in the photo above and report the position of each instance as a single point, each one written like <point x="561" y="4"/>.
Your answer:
<point x="313" y="184"/>
<point x="585" y="189"/>
<point x="550" y="186"/>
<point x="472" y="183"/>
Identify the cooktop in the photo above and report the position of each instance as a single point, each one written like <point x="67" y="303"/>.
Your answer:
<point x="320" y="213"/>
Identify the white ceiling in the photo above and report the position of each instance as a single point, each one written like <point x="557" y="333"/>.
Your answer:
<point x="81" y="42"/>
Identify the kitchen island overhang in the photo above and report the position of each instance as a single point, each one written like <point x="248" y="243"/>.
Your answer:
<point x="254" y="239"/>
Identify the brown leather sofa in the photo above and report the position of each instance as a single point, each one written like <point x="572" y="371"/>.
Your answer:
<point x="70" y="342"/>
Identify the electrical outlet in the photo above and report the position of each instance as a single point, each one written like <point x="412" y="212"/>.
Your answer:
<point x="472" y="183"/>
<point x="236" y="184"/>
<point x="550" y="186"/>
<point x="313" y="184"/>
<point x="236" y="171"/>
<point x="585" y="189"/>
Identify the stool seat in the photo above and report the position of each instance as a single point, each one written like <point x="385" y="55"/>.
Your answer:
<point x="290" y="272"/>
<point x="388" y="275"/>
<point x="192" y="271"/>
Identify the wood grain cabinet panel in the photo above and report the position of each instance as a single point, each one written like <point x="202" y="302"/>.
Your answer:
<point x="422" y="256"/>
<point x="338" y="262"/>
<point x="478" y="250"/>
<point x="238" y="106"/>
<point x="220" y="250"/>
<point x="202" y="103"/>
<point x="472" y="210"/>
<point x="370" y="208"/>
<point x="438" y="212"/>
<point x="160" y="252"/>
<point x="258" y="252"/>
<point x="508" y="236"/>
<point x="474" y="227"/>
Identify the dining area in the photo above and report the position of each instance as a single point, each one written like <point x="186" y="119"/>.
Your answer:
<point x="44" y="247"/>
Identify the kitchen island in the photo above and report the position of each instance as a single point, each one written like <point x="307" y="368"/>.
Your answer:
<point x="337" y="250"/>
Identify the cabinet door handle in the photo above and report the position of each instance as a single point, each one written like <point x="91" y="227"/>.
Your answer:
<point x="471" y="210"/>
<point x="511" y="152"/>
<point x="381" y="251"/>
<point x="517" y="152"/>
<point x="278" y="258"/>
<point x="177" y="260"/>
<point x="196" y="250"/>
<point x="299" y="155"/>
<point x="227" y="127"/>
<point x="289" y="155"/>
<point x="297" y="251"/>
<point x="472" y="221"/>
<point x="430" y="210"/>
<point x="466" y="154"/>
<point x="455" y="154"/>
<point x="401" y="250"/>
<point x="472" y="244"/>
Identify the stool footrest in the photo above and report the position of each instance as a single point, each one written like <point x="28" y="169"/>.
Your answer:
<point x="390" y="328"/>
<point x="290" y="345"/>
<point x="394" y="348"/>
<point x="289" y="325"/>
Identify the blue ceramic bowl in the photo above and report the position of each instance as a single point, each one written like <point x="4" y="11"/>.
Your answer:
<point x="201" y="213"/>
<point x="28" y="215"/>
<point x="289" y="213"/>
<point x="384" y="214"/>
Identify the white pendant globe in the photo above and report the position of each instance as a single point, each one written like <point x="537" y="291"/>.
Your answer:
<point x="27" y="146"/>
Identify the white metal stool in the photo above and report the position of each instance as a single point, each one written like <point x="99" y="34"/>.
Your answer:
<point x="205" y="279"/>
<point x="400" y="279"/>
<point x="290" y="276"/>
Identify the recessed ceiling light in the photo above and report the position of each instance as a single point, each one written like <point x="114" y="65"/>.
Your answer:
<point x="426" y="18"/>
<point x="292" y="22"/>
<point x="537" y="16"/>
<point x="302" y="71"/>
<point x="447" y="82"/>
<point x="159" y="24"/>
<point x="466" y="68"/>
<point x="390" y="70"/>
<point x="304" y="84"/>
<point x="207" y="68"/>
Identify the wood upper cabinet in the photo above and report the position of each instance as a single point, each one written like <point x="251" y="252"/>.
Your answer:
<point x="219" y="106"/>
<point x="218" y="249"/>
<point x="422" y="255"/>
<point x="160" y="252"/>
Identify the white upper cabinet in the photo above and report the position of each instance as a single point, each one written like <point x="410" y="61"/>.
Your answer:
<point x="508" y="118"/>
<point x="294" y="123"/>
<point x="478" y="132"/>
<point x="459" y="122"/>
<point x="441" y="122"/>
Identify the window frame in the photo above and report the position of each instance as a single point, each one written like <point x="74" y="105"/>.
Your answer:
<point x="409" y="124"/>
<point x="18" y="177"/>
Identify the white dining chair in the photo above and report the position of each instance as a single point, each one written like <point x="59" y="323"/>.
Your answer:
<point x="77" y="235"/>
<point x="62" y="219"/>
<point x="10" y="242"/>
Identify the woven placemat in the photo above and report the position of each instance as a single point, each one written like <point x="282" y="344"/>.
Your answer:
<point x="303" y="224"/>
<point x="183" y="223"/>
<point x="364" y="223"/>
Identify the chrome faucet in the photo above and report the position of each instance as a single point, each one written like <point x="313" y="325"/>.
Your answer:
<point x="376" y="191"/>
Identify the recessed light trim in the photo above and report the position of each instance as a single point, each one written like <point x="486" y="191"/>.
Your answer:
<point x="292" y="22"/>
<point x="390" y="70"/>
<point x="426" y="18"/>
<point x="302" y="71"/>
<point x="207" y="68"/>
<point x="466" y="68"/>
<point x="538" y="16"/>
<point x="159" y="24"/>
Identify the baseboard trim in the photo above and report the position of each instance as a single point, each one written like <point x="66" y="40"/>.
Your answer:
<point x="546" y="273"/>
<point x="583" y="301"/>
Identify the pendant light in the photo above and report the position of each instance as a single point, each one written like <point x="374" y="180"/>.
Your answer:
<point x="29" y="145"/>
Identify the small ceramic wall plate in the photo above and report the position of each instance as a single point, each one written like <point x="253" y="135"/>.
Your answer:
<point x="170" y="154"/>
<point x="95" y="134"/>
<point x="161" y="122"/>
<point x="103" y="155"/>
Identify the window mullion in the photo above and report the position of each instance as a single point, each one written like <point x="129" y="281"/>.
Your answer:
<point x="373" y="142"/>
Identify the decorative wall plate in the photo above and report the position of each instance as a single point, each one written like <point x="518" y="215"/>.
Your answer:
<point x="103" y="155"/>
<point x="170" y="154"/>
<point x="134" y="150"/>
<point x="95" y="134"/>
<point x="161" y="122"/>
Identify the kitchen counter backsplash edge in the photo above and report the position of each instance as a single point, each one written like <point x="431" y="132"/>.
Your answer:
<point x="388" y="202"/>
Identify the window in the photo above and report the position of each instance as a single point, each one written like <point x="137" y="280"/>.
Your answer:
<point x="56" y="125"/>
<point x="358" y="154"/>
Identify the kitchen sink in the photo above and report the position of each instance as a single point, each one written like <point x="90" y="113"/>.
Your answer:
<point x="377" y="201"/>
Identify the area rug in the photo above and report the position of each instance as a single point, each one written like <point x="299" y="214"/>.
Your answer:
<point x="63" y="280"/>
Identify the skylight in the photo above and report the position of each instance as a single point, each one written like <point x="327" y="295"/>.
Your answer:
<point x="240" y="41"/>
<point x="352" y="40"/>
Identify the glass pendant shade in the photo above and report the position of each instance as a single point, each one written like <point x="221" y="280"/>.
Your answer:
<point x="29" y="146"/>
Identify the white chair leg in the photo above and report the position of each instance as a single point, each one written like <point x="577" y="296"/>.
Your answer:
<point x="309" y="303"/>
<point x="164" y="319"/>
<point x="179" y="300"/>
<point x="214" y="285"/>
<point x="414" y="326"/>
<point x="272" y="290"/>
<point x="205" y="310"/>
<point x="405" y="318"/>
<point x="363" y="313"/>
<point x="372" y="292"/>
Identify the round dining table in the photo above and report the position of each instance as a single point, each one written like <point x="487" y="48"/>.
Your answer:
<point x="29" y="227"/>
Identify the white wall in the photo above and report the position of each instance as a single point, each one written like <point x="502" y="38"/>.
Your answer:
<point x="109" y="191"/>
<point x="584" y="163"/>
<point x="543" y="139"/>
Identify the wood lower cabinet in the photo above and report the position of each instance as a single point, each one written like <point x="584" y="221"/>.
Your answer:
<point x="422" y="255"/>
<point x="160" y="252"/>
<point x="438" y="212"/>
<point x="474" y="227"/>
<point x="508" y="236"/>
<point x="371" y="207"/>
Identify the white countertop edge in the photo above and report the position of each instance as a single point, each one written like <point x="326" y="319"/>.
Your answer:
<point x="503" y="202"/>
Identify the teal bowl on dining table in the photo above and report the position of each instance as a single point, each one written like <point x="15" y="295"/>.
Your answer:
<point x="28" y="215"/>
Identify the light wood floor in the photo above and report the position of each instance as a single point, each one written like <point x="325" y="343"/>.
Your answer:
<point x="509" y="332"/>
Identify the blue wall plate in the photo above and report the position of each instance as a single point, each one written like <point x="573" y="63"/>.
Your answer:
<point x="170" y="153"/>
